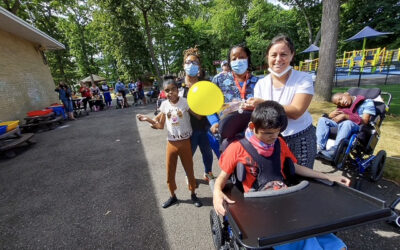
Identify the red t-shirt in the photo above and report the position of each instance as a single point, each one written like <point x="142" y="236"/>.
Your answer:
<point x="162" y="95"/>
<point x="235" y="153"/>
<point x="139" y="85"/>
<point x="85" y="91"/>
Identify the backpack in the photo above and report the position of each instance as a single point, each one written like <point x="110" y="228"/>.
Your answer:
<point x="286" y="169"/>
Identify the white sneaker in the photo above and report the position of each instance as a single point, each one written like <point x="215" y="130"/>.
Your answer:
<point x="208" y="176"/>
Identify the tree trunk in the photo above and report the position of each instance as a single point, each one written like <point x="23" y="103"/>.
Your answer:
<point x="327" y="53"/>
<point x="150" y="44"/>
<point x="84" y="51"/>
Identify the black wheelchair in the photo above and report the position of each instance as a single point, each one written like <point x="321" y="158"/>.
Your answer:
<point x="356" y="153"/>
<point x="263" y="219"/>
<point x="302" y="211"/>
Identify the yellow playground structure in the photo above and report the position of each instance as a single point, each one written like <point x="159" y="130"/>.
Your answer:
<point x="376" y="59"/>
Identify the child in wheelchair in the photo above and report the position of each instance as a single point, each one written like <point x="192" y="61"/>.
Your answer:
<point x="354" y="130"/>
<point x="120" y="101"/>
<point x="263" y="161"/>
<point x="351" y="112"/>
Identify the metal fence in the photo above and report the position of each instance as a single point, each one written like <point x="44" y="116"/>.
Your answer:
<point x="367" y="74"/>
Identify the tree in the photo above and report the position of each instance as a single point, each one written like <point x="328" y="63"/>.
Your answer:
<point x="265" y="21"/>
<point x="12" y="6"/>
<point x="147" y="7"/>
<point x="45" y="16"/>
<point x="327" y="53"/>
<point x="122" y="42"/>
<point x="306" y="8"/>
<point x="81" y="36"/>
<point x="380" y="15"/>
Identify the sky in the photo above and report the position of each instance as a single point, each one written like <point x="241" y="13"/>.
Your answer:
<point x="276" y="2"/>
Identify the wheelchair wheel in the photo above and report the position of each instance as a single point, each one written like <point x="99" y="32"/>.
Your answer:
<point x="340" y="154"/>
<point x="377" y="166"/>
<point x="216" y="229"/>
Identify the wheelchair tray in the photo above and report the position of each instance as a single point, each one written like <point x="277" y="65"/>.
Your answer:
<point x="315" y="210"/>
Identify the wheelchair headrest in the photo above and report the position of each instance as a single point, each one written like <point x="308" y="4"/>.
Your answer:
<point x="367" y="93"/>
<point x="234" y="123"/>
<point x="380" y="108"/>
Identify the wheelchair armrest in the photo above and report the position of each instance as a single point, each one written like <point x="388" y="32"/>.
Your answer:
<point x="269" y="193"/>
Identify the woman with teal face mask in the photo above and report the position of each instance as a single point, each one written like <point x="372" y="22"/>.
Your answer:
<point x="237" y="85"/>
<point x="200" y="124"/>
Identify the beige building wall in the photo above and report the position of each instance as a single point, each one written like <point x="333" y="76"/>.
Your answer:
<point x="26" y="83"/>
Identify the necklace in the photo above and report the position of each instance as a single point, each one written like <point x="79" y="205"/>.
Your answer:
<point x="272" y="92"/>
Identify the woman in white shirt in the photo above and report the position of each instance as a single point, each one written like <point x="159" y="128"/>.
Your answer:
<point x="294" y="90"/>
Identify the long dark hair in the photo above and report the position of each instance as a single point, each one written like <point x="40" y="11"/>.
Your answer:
<point x="279" y="39"/>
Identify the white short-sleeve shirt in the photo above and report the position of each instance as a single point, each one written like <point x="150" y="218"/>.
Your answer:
<point x="177" y="119"/>
<point x="297" y="83"/>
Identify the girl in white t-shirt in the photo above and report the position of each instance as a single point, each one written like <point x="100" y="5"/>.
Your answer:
<point x="175" y="113"/>
<point x="294" y="91"/>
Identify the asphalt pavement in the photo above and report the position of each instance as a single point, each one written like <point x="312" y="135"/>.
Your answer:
<point x="99" y="182"/>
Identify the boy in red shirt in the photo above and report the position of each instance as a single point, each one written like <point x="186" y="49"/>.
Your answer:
<point x="267" y="121"/>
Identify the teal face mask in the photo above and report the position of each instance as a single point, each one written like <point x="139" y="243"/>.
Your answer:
<point x="239" y="66"/>
<point x="191" y="69"/>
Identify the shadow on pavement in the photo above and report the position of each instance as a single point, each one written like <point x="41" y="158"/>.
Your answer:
<point x="378" y="235"/>
<point x="83" y="185"/>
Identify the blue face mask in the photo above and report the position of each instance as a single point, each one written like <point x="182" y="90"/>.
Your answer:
<point x="191" y="69"/>
<point x="239" y="66"/>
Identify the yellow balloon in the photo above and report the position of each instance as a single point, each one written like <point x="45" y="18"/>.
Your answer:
<point x="205" y="98"/>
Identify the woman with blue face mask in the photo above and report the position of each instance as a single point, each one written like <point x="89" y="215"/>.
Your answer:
<point x="238" y="84"/>
<point x="200" y="124"/>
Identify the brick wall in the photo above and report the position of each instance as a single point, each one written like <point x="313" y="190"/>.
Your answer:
<point x="25" y="81"/>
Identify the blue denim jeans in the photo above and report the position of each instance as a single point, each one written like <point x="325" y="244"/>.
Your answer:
<point x="200" y="138"/>
<point x="345" y="130"/>
<point x="68" y="105"/>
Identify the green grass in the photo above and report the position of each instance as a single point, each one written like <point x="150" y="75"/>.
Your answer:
<point x="392" y="170"/>
<point x="393" y="89"/>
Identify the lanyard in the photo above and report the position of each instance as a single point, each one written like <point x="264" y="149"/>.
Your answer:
<point x="242" y="90"/>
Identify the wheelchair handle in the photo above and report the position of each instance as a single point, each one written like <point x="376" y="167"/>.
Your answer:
<point x="389" y="100"/>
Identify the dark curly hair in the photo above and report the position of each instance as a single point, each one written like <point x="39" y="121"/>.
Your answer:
<point x="191" y="52"/>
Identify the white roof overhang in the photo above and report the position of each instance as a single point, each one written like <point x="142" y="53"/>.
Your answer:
<point x="18" y="27"/>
